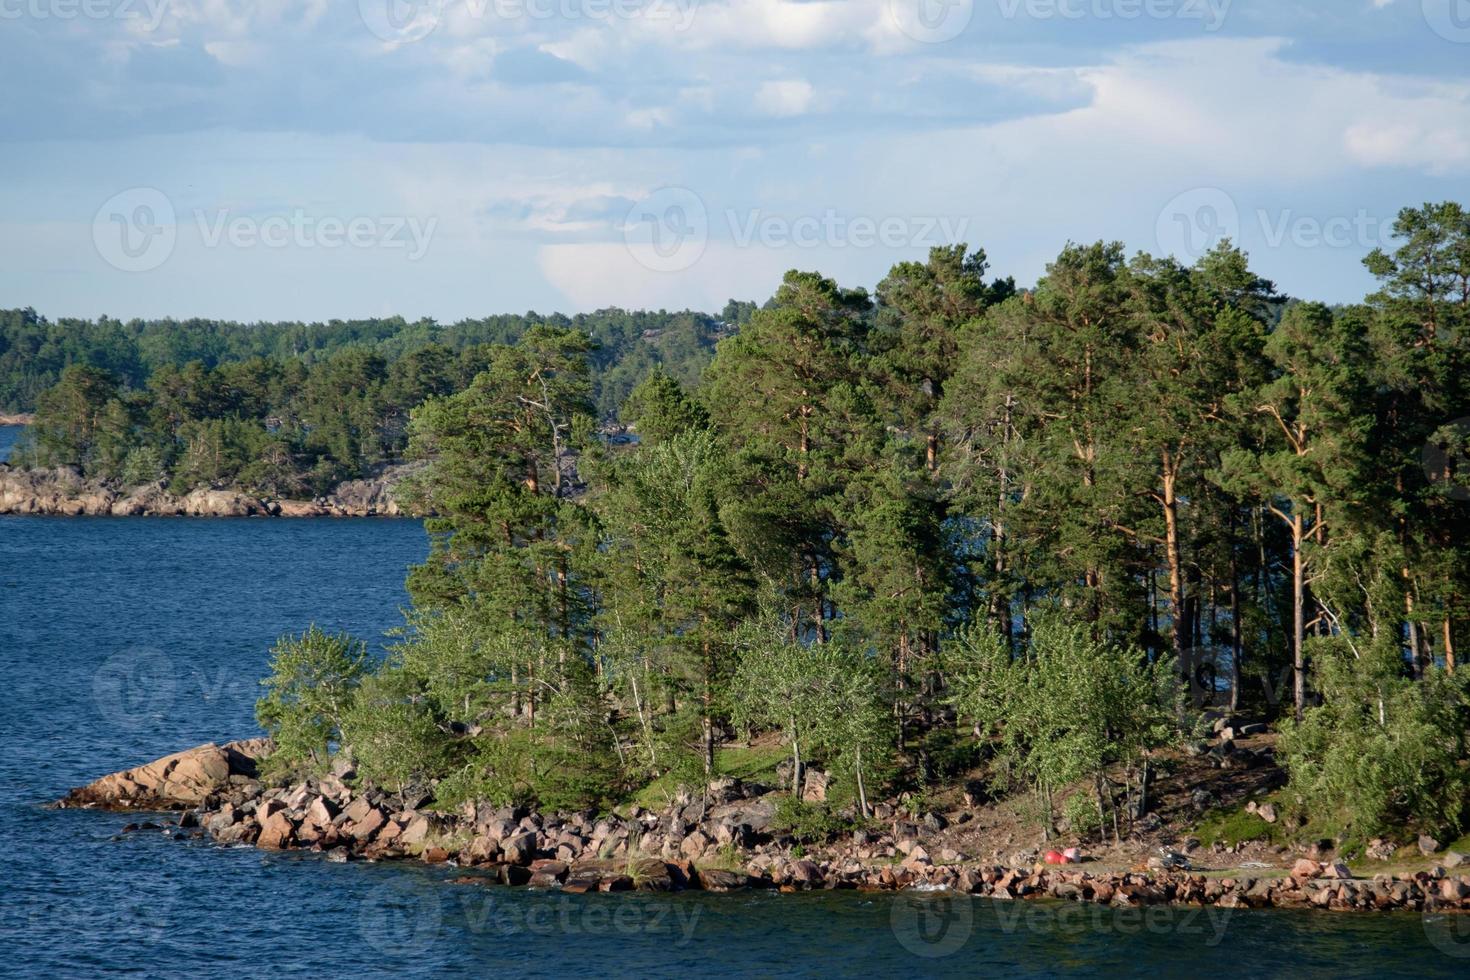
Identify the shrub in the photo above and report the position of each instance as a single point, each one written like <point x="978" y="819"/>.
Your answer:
<point x="312" y="682"/>
<point x="395" y="739"/>
<point x="1384" y="752"/>
<point x="807" y="823"/>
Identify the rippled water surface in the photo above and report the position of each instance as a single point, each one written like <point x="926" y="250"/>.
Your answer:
<point x="125" y="639"/>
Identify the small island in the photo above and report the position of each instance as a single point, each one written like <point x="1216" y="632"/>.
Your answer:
<point x="1148" y="570"/>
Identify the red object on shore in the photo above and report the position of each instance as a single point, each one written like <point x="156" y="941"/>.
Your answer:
<point x="1054" y="857"/>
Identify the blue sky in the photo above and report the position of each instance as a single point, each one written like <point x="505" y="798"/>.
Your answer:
<point x="307" y="159"/>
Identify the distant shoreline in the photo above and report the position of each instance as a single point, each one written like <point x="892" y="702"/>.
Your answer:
<point x="64" y="492"/>
<point x="20" y="418"/>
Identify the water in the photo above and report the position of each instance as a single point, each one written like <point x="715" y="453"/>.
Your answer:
<point x="8" y="436"/>
<point x="123" y="640"/>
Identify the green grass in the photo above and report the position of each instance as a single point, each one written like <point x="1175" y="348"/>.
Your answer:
<point x="1231" y="827"/>
<point x="746" y="764"/>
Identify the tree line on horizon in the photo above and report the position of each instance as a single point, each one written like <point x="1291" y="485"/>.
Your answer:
<point x="944" y="525"/>
<point x="286" y="409"/>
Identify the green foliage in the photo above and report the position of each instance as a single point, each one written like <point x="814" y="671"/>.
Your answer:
<point x="825" y="699"/>
<point x="393" y="732"/>
<point x="1384" y="751"/>
<point x="1081" y="813"/>
<point x="289" y="409"/>
<point x="1232" y="827"/>
<point x="1067" y="707"/>
<point x="311" y="688"/>
<point x="660" y="408"/>
<point x="874" y="513"/>
<point x="807" y="823"/>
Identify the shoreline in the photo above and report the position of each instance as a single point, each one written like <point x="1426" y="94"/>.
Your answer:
<point x="64" y="492"/>
<point x="722" y="843"/>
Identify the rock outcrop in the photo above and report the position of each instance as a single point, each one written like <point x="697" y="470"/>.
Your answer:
<point x="65" y="492"/>
<point x="185" y="779"/>
<point x="724" y="842"/>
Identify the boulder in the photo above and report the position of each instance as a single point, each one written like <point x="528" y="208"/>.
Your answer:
<point x="373" y="496"/>
<point x="320" y="813"/>
<point x="1380" y="850"/>
<point x="756" y="814"/>
<point x="416" y="830"/>
<point x="183" y="780"/>
<point x="806" y="873"/>
<point x="356" y="810"/>
<point x="277" y="832"/>
<point x="694" y="845"/>
<point x="814" y="786"/>
<point x="721" y="880"/>
<point x="497" y="828"/>
<point x="150" y="499"/>
<point x="482" y="850"/>
<point x="548" y="873"/>
<point x="299" y="508"/>
<point x="1427" y="845"/>
<point x="369" y="826"/>
<point x="518" y="848"/>
<point x="1305" y="870"/>
<point x="206" y="502"/>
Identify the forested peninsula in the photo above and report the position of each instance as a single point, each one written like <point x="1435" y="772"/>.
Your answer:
<point x="1148" y="564"/>
<point x="226" y="419"/>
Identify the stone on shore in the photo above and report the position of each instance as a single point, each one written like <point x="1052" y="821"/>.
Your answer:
<point x="179" y="781"/>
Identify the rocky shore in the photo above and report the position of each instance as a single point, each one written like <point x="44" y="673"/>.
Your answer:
<point x="724" y="842"/>
<point x="65" y="492"/>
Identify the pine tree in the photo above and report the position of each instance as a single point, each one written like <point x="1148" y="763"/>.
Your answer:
<point x="1311" y="465"/>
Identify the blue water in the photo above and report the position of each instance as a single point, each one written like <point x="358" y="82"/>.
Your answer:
<point x="123" y="640"/>
<point x="8" y="436"/>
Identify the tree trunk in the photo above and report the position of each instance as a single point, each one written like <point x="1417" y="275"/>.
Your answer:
<point x="1237" y="638"/>
<point x="1145" y="778"/>
<point x="1178" y="634"/>
<point x="709" y="723"/>
<point x="1449" y="645"/>
<point x="1298" y="617"/>
<point x="795" y="766"/>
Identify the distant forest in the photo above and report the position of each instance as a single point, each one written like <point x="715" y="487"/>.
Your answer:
<point x="34" y="350"/>
<point x="290" y="408"/>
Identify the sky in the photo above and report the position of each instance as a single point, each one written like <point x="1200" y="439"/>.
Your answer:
<point x="317" y="159"/>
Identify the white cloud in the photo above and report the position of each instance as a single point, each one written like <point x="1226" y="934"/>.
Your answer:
<point x="592" y="275"/>
<point x="784" y="98"/>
